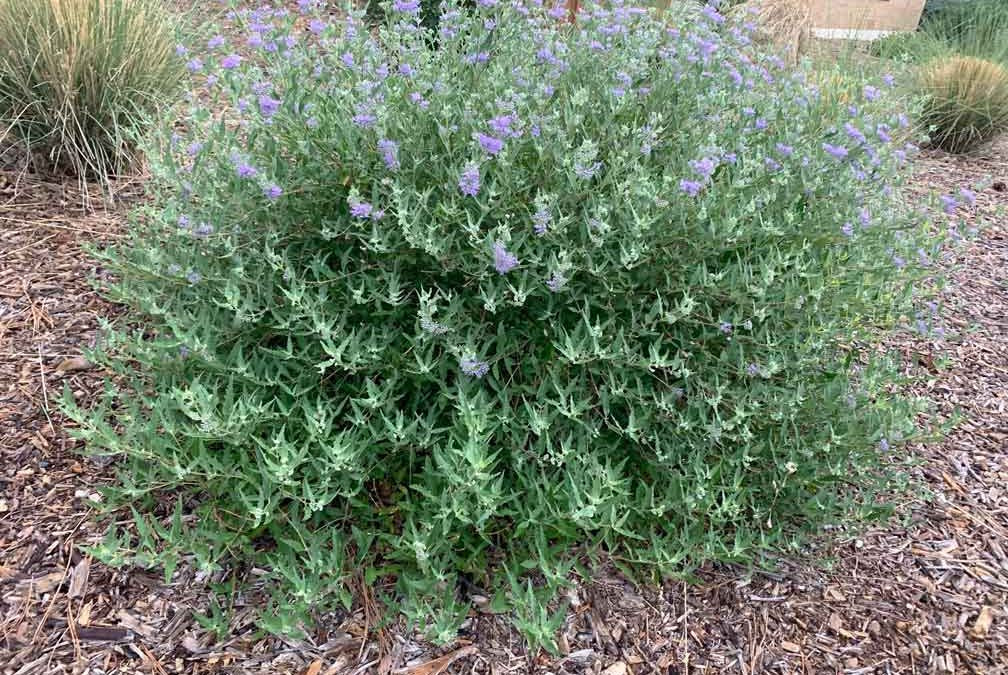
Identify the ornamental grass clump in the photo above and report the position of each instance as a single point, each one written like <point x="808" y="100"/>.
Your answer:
<point x="965" y="101"/>
<point x="449" y="308"/>
<point x="80" y="79"/>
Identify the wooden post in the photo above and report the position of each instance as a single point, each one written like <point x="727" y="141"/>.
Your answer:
<point x="572" y="8"/>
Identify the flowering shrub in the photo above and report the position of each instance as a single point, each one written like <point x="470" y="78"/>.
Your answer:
<point x="435" y="305"/>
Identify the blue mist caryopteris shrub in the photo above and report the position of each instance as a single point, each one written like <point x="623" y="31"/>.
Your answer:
<point x="446" y="309"/>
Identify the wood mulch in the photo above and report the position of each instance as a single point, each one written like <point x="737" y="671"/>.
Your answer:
<point x="924" y="593"/>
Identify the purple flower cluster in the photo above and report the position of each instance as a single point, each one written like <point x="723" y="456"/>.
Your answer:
<point x="690" y="187"/>
<point x="273" y="192"/>
<point x="504" y="260"/>
<point x="268" y="106"/>
<point x="949" y="204"/>
<point x="491" y="145"/>
<point x="245" y="170"/>
<point x="541" y="220"/>
<point x="406" y="6"/>
<point x="836" y="151"/>
<point x="474" y="367"/>
<point x="433" y="327"/>
<point x="505" y="126"/>
<point x="362" y="210"/>
<point x="469" y="180"/>
<point x="704" y="167"/>
<point x="390" y="153"/>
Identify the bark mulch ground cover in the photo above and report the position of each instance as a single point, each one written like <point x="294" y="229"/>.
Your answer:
<point x="924" y="593"/>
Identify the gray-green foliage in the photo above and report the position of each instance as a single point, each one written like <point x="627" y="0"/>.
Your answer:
<point x="445" y="309"/>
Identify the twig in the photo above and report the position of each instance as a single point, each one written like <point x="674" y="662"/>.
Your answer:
<point x="45" y="394"/>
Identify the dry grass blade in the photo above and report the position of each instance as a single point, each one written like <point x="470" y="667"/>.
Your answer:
<point x="79" y="78"/>
<point x="966" y="101"/>
<point x="784" y="23"/>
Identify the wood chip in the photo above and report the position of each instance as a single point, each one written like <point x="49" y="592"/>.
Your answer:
<point x="618" y="668"/>
<point x="983" y="622"/>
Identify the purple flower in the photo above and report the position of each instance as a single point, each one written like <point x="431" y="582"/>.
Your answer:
<point x="406" y="6"/>
<point x="406" y="69"/>
<point x="195" y="65"/>
<point x="865" y="217"/>
<point x="231" y="61"/>
<point x="726" y="327"/>
<point x="203" y="230"/>
<point x="690" y="187"/>
<point x="556" y="282"/>
<point x="193" y="277"/>
<point x="761" y="124"/>
<point x="968" y="196"/>
<point x="390" y="153"/>
<point x="847" y="229"/>
<point x="245" y="170"/>
<point x="215" y="42"/>
<point x="317" y="26"/>
<point x="753" y="369"/>
<point x="949" y="204"/>
<point x="433" y="327"/>
<point x="348" y="59"/>
<point x="364" y="117"/>
<point x="711" y="14"/>
<point x="541" y="220"/>
<point x="180" y="50"/>
<point x="883" y="445"/>
<point x="871" y="93"/>
<point x="704" y="167"/>
<point x="889" y="80"/>
<point x="504" y="125"/>
<point x="748" y="112"/>
<point x="312" y="123"/>
<point x="730" y="157"/>
<point x="836" y="151"/>
<point x="504" y="260"/>
<point x="268" y="106"/>
<point x="183" y="222"/>
<point x="474" y="367"/>
<point x="785" y="150"/>
<point x="361" y="210"/>
<point x="882" y="131"/>
<point x="492" y="146"/>
<point x="194" y="148"/>
<point x="772" y="164"/>
<point x="469" y="181"/>
<point x="855" y="134"/>
<point x="423" y="103"/>
<point x="273" y="192"/>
